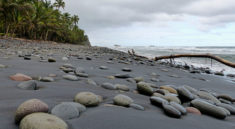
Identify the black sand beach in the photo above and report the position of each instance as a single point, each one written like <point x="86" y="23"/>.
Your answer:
<point x="106" y="115"/>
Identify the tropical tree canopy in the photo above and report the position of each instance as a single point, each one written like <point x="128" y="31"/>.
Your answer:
<point x="39" y="20"/>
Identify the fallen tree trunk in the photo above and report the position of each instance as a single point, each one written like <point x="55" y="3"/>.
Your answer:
<point x="219" y="59"/>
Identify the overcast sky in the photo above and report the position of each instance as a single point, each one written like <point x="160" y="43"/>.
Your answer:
<point x="156" y="22"/>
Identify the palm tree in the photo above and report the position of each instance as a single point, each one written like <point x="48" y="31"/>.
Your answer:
<point x="75" y="19"/>
<point x="59" y="4"/>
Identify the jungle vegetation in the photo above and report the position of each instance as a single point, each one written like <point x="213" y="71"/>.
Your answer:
<point x="39" y="20"/>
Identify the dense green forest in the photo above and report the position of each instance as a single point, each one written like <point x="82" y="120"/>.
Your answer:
<point x="39" y="20"/>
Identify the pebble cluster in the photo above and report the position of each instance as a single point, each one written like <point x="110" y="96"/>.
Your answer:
<point x="174" y="101"/>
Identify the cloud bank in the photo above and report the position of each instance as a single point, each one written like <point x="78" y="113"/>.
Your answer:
<point x="204" y="15"/>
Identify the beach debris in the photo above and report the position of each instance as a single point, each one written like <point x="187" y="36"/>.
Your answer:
<point x="144" y="88"/>
<point x="42" y="121"/>
<point x="109" y="86"/>
<point x="28" y="85"/>
<point x="28" y="107"/>
<point x="20" y="77"/>
<point x="87" y="98"/>
<point x="122" y="100"/>
<point x="65" y="111"/>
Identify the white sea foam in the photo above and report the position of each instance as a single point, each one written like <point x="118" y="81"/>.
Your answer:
<point x="153" y="51"/>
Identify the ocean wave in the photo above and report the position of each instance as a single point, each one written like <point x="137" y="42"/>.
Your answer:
<point x="227" y="53"/>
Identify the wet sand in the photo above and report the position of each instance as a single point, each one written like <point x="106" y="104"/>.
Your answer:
<point x="102" y="116"/>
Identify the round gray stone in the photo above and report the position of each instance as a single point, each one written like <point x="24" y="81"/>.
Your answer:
<point x="109" y="86"/>
<point x="28" y="85"/>
<point x="42" y="121"/>
<point x="122" y="87"/>
<point x="122" y="100"/>
<point x="144" y="88"/>
<point x="70" y="77"/>
<point x="80" y="107"/>
<point x="65" y="111"/>
<point x="87" y="99"/>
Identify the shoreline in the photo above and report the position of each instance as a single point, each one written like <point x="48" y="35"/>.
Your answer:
<point x="195" y="66"/>
<point x="31" y="59"/>
<point x="192" y="69"/>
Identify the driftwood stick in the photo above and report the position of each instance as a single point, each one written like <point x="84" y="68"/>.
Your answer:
<point x="219" y="59"/>
<point x="132" y="53"/>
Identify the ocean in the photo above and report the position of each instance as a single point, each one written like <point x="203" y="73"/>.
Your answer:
<point x="227" y="53"/>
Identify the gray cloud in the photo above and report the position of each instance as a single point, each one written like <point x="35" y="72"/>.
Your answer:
<point x="120" y="13"/>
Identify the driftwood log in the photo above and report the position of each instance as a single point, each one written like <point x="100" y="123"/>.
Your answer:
<point x="219" y="59"/>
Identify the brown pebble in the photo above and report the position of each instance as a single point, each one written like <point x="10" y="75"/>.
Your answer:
<point x="20" y="77"/>
<point x="193" y="110"/>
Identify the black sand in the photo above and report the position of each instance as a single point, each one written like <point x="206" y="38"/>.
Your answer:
<point x="103" y="116"/>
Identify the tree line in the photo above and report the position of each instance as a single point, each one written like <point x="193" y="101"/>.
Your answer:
<point x="39" y="20"/>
